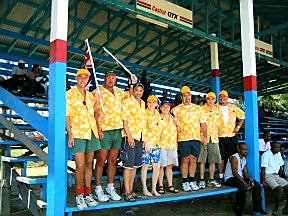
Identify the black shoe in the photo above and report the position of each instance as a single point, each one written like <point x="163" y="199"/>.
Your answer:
<point x="261" y="211"/>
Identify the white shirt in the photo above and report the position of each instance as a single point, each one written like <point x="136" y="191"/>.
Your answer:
<point x="17" y="71"/>
<point x="264" y="146"/>
<point x="225" y="113"/>
<point x="241" y="164"/>
<point x="272" y="162"/>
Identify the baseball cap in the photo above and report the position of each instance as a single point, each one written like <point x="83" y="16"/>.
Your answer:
<point x="138" y="84"/>
<point x="223" y="92"/>
<point x="82" y="71"/>
<point x="21" y="62"/>
<point x="166" y="101"/>
<point x="185" y="89"/>
<point x="212" y="95"/>
<point x="152" y="98"/>
<point x="110" y="73"/>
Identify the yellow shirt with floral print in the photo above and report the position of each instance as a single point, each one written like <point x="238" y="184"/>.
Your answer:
<point x="234" y="112"/>
<point x="152" y="132"/>
<point x="168" y="137"/>
<point x="134" y="113"/>
<point x="111" y="118"/>
<point x="213" y="122"/>
<point x="81" y="116"/>
<point x="190" y="118"/>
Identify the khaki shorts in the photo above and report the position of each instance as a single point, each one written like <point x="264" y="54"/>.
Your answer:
<point x="210" y="151"/>
<point x="274" y="180"/>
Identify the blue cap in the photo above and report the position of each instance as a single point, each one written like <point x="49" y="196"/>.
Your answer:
<point x="138" y="84"/>
<point x="166" y="101"/>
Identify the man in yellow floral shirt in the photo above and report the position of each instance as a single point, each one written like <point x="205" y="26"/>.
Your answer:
<point x="228" y="140"/>
<point x="82" y="136"/>
<point x="211" y="150"/>
<point x="133" y="110"/>
<point x="109" y="123"/>
<point x="192" y="119"/>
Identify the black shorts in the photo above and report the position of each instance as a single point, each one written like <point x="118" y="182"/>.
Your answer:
<point x="228" y="147"/>
<point x="131" y="157"/>
<point x="191" y="147"/>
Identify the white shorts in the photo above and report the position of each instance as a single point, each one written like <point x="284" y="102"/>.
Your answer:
<point x="168" y="157"/>
<point x="274" y="180"/>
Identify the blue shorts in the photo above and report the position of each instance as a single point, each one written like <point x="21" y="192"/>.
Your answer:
<point x="131" y="157"/>
<point x="191" y="147"/>
<point x="152" y="157"/>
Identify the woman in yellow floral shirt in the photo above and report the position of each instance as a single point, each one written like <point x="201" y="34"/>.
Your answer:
<point x="168" y="144"/>
<point x="151" y="151"/>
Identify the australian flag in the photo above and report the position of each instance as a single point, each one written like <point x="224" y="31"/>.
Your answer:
<point x="91" y="85"/>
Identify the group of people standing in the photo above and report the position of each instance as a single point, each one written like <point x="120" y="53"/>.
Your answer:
<point x="115" y="120"/>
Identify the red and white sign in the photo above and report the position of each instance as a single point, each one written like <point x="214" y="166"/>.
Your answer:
<point x="263" y="48"/>
<point x="166" y="10"/>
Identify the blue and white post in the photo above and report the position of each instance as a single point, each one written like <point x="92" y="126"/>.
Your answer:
<point x="57" y="152"/>
<point x="215" y="72"/>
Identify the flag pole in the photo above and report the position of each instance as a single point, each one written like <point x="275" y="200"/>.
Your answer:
<point x="94" y="74"/>
<point x="118" y="62"/>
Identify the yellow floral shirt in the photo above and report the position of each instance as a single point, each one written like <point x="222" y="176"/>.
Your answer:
<point x="213" y="122"/>
<point x="111" y="118"/>
<point x="152" y="131"/>
<point x="81" y="116"/>
<point x="168" y="137"/>
<point x="234" y="112"/>
<point x="134" y="113"/>
<point x="190" y="119"/>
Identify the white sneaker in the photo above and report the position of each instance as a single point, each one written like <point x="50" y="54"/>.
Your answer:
<point x="90" y="201"/>
<point x="81" y="204"/>
<point x="194" y="186"/>
<point x="186" y="187"/>
<point x="214" y="183"/>
<point x="101" y="197"/>
<point x="112" y="194"/>
<point x="202" y="184"/>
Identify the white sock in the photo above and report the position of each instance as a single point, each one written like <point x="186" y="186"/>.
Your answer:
<point x="221" y="175"/>
<point x="98" y="188"/>
<point x="110" y="186"/>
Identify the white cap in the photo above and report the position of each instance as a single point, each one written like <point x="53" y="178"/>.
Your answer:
<point x="21" y="62"/>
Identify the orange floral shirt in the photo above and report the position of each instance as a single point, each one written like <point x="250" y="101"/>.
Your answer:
<point x="213" y="122"/>
<point x="135" y="114"/>
<point x="81" y="116"/>
<point x="234" y="112"/>
<point x="190" y="118"/>
<point x="111" y="118"/>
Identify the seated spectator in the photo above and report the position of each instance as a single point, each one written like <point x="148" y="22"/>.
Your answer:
<point x="164" y="96"/>
<point x="264" y="143"/>
<point x="271" y="162"/>
<point x="177" y="101"/>
<point x="19" y="76"/>
<point x="41" y="82"/>
<point x="236" y="175"/>
<point x="29" y="84"/>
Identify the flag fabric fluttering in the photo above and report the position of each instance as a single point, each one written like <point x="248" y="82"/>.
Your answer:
<point x="91" y="85"/>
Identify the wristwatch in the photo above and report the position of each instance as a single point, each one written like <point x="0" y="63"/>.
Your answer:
<point x="238" y="126"/>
